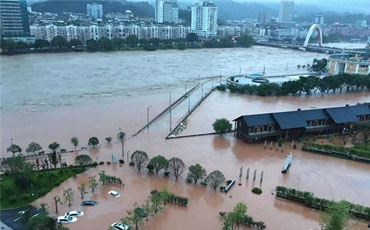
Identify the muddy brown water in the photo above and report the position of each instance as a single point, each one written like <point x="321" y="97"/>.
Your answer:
<point x="54" y="97"/>
<point x="326" y="177"/>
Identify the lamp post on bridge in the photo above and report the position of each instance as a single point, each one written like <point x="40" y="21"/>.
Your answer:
<point x="147" y="116"/>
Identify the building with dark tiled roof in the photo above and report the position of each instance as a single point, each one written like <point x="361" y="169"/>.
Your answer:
<point x="294" y="124"/>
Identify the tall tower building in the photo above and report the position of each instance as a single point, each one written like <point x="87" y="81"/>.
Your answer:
<point x="166" y="11"/>
<point x="94" y="10"/>
<point x="318" y="19"/>
<point x="204" y="19"/>
<point x="286" y="11"/>
<point x="14" y="18"/>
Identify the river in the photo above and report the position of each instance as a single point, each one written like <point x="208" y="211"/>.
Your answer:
<point x="52" y="97"/>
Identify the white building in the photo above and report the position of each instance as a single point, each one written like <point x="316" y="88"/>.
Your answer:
<point x="95" y="10"/>
<point x="286" y="11"/>
<point x="95" y="32"/>
<point x="166" y="11"/>
<point x="204" y="19"/>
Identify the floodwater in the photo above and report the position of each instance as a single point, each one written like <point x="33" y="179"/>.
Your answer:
<point x="93" y="116"/>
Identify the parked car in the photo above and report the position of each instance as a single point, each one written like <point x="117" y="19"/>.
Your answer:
<point x="89" y="203"/>
<point x="120" y="226"/>
<point x="74" y="213"/>
<point x="66" y="219"/>
<point x="114" y="193"/>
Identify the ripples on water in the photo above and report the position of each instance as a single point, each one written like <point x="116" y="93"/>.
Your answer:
<point x="41" y="81"/>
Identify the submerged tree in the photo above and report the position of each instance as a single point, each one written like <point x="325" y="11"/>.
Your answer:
<point x="176" y="167"/>
<point x="222" y="125"/>
<point x="33" y="147"/>
<point x="93" y="141"/>
<point x="336" y="216"/>
<point x="56" y="202"/>
<point x="139" y="158"/>
<point x="196" y="172"/>
<point x="215" y="179"/>
<point x="235" y="217"/>
<point x="82" y="190"/>
<point x="83" y="160"/>
<point x="133" y="218"/>
<point x="93" y="184"/>
<point x="68" y="196"/>
<point x="109" y="140"/>
<point x="159" y="162"/>
<point x="74" y="141"/>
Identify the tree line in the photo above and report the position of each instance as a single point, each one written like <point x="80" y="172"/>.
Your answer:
<point x="132" y="42"/>
<point x="175" y="167"/>
<point x="308" y="199"/>
<point x="304" y="85"/>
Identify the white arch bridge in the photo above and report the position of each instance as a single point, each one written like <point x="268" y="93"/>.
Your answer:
<point x="314" y="27"/>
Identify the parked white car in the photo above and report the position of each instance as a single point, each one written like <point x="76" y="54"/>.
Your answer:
<point x="74" y="213"/>
<point x="120" y="226"/>
<point x="114" y="193"/>
<point x="66" y="219"/>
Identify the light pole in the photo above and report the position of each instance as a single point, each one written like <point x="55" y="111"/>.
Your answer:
<point x="147" y="116"/>
<point x="11" y="141"/>
<point x="122" y="137"/>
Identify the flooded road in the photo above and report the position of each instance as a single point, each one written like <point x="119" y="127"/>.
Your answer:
<point x="55" y="102"/>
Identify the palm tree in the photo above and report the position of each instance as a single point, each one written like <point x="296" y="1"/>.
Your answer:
<point x="54" y="146"/>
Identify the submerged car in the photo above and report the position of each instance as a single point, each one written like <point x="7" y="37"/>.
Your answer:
<point x="89" y="203"/>
<point x="74" y="213"/>
<point x="120" y="226"/>
<point x="114" y="193"/>
<point x="66" y="219"/>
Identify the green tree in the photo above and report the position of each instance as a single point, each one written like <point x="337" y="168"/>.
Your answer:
<point x="133" y="218"/>
<point x="15" y="165"/>
<point x="156" y="201"/>
<point x="83" y="160"/>
<point x="235" y="217"/>
<point x="59" y="42"/>
<point x="54" y="146"/>
<point x="105" y="44"/>
<point x="43" y="222"/>
<point x="75" y="44"/>
<point x="364" y="128"/>
<point x="140" y="158"/>
<point x="215" y="179"/>
<point x="159" y="162"/>
<point x="192" y="37"/>
<point x="132" y="40"/>
<point x="222" y="125"/>
<point x="94" y="141"/>
<point x="13" y="148"/>
<point x="245" y="41"/>
<point x="164" y="194"/>
<point x="41" y="44"/>
<point x="92" y="183"/>
<point x="68" y="196"/>
<point x="92" y="45"/>
<point x="108" y="139"/>
<point x="176" y="167"/>
<point x="74" y="141"/>
<point x="33" y="147"/>
<point x="336" y="217"/>
<point x="82" y="190"/>
<point x="196" y="172"/>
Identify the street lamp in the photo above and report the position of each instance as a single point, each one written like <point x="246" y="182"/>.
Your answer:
<point x="147" y="116"/>
<point x="121" y="136"/>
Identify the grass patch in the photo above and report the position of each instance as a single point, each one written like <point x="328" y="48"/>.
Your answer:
<point x="43" y="182"/>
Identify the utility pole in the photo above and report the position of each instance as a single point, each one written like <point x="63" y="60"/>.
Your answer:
<point x="189" y="103"/>
<point x="202" y="90"/>
<point x="147" y="116"/>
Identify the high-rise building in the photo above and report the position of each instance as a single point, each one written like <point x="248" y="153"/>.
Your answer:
<point x="95" y="10"/>
<point x="360" y="23"/>
<point x="318" y="19"/>
<point x="14" y="18"/>
<point x="166" y="11"/>
<point x="204" y="19"/>
<point x="262" y="17"/>
<point x="286" y="11"/>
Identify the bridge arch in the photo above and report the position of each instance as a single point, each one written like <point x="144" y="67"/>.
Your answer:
<point x="314" y="27"/>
